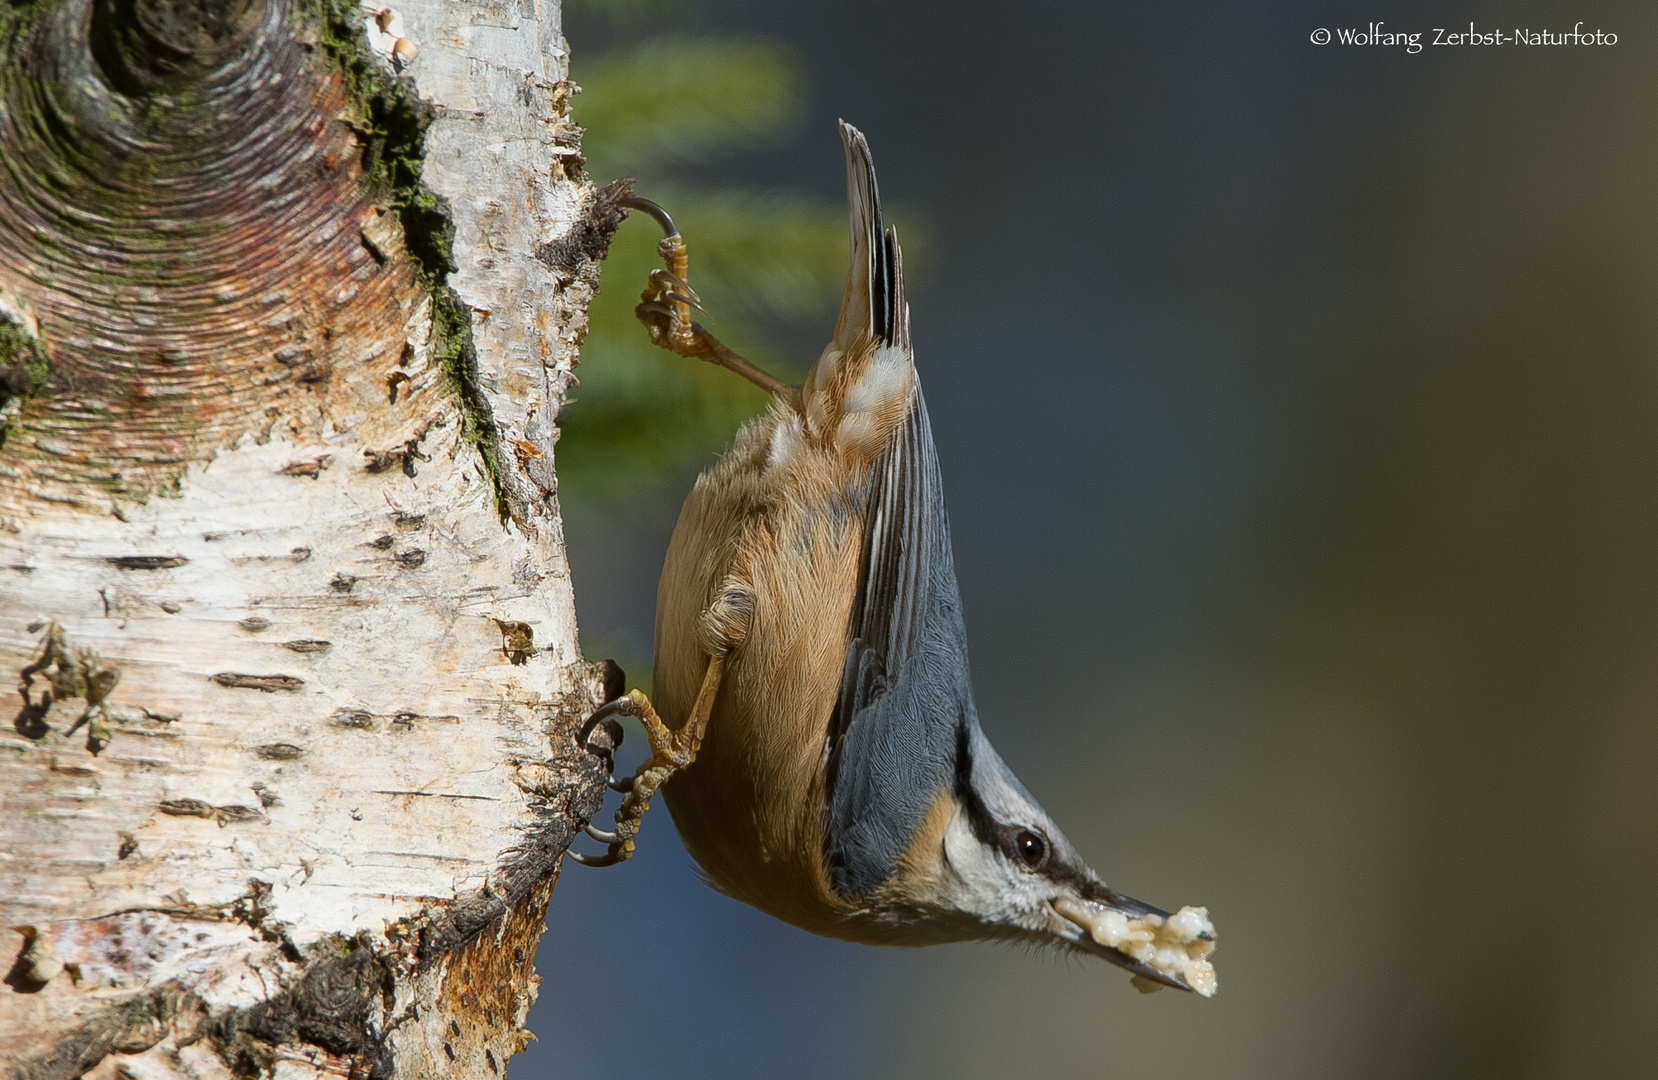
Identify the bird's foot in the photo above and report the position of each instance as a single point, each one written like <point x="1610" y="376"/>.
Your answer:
<point x="665" y="308"/>
<point x="671" y="751"/>
<point x="601" y="735"/>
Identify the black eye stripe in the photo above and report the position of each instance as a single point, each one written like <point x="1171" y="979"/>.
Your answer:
<point x="978" y="815"/>
<point x="1021" y="844"/>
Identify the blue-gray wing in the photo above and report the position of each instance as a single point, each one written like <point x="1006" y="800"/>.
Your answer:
<point x="905" y="694"/>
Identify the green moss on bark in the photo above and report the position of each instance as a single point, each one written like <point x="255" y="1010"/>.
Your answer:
<point x="24" y="371"/>
<point x="22" y="354"/>
<point x="392" y="124"/>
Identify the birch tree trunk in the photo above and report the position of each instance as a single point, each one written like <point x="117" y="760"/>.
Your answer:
<point x="290" y="294"/>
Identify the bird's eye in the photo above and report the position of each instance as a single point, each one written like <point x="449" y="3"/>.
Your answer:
<point x="1031" y="848"/>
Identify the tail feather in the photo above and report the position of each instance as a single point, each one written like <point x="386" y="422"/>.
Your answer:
<point x="858" y="391"/>
<point x="898" y="327"/>
<point x="874" y="283"/>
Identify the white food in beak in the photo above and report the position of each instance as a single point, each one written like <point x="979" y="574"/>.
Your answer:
<point x="1175" y="946"/>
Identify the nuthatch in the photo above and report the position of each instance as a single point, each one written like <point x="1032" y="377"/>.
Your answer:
<point x="813" y="705"/>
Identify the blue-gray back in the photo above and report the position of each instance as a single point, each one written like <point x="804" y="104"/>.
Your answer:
<point x="906" y="702"/>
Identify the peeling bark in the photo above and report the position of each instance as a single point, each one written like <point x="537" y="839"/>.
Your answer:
<point x="290" y="295"/>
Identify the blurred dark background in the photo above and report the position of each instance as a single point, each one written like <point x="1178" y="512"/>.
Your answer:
<point x="1298" y="412"/>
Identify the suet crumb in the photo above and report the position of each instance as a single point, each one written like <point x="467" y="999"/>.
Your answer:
<point x="1179" y="945"/>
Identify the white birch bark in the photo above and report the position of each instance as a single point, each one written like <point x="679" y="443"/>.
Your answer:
<point x="281" y="528"/>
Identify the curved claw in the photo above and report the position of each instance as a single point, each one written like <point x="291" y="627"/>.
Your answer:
<point x="599" y="834"/>
<point x="669" y="281"/>
<point x="624" y="785"/>
<point x="603" y="713"/>
<point x="634" y="202"/>
<point x="603" y="748"/>
<point x="606" y="859"/>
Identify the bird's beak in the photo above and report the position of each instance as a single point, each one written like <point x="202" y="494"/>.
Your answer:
<point x="1161" y="949"/>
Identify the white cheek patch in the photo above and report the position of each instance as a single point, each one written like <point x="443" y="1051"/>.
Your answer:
<point x="976" y="880"/>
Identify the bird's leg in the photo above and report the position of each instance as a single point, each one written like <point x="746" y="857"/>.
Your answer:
<point x="665" y="309"/>
<point x="671" y="751"/>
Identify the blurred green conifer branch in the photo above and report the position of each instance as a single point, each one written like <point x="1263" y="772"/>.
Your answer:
<point x="763" y="262"/>
<point x="680" y="100"/>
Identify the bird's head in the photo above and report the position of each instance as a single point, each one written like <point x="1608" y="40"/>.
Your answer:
<point x="988" y="862"/>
